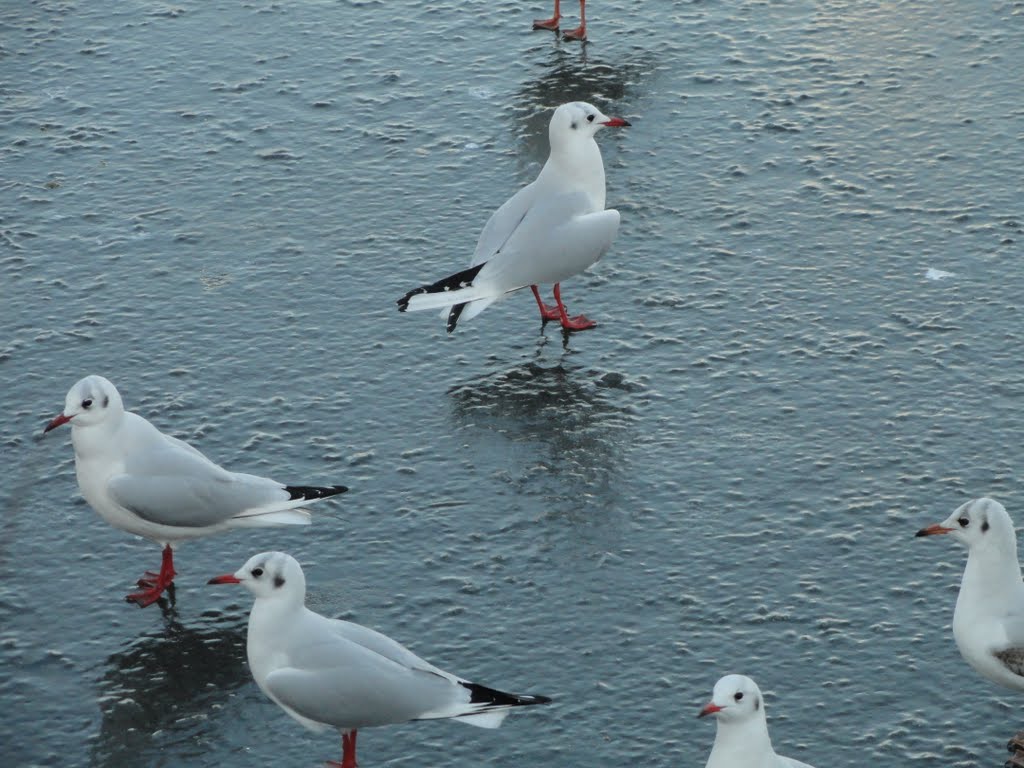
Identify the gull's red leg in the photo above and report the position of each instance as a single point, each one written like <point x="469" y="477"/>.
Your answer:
<point x="580" y="33"/>
<point x="154" y="584"/>
<point x="578" y="323"/>
<point x="348" y="751"/>
<point x="551" y="23"/>
<point x="546" y="312"/>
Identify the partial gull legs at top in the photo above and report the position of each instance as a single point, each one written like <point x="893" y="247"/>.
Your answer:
<point x="580" y="33"/>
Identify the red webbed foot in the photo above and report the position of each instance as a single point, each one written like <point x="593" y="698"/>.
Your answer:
<point x="580" y="33"/>
<point x="578" y="323"/>
<point x="154" y="584"/>
<point x="546" y="312"/>
<point x="149" y="595"/>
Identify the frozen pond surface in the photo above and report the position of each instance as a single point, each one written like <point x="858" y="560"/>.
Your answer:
<point x="809" y="346"/>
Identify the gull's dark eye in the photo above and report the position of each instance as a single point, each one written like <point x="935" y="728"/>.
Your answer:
<point x="738" y="696"/>
<point x="257" y="572"/>
<point x="964" y="522"/>
<point x="87" y="403"/>
<point x="590" y="118"/>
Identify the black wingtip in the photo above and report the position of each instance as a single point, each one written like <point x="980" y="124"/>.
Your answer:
<point x="453" y="317"/>
<point x="462" y="279"/>
<point x="403" y="303"/>
<point x="481" y="694"/>
<point x="309" y="492"/>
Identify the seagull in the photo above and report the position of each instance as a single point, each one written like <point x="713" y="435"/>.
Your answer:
<point x="548" y="231"/>
<point x="988" y="622"/>
<point x="580" y="33"/>
<point x="742" y="735"/>
<point x="328" y="673"/>
<point x="145" y="482"/>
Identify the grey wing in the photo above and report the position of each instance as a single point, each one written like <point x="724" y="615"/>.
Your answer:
<point x="503" y="223"/>
<point x="385" y="646"/>
<point x="358" y="691"/>
<point x="554" y="241"/>
<point x="170" y="486"/>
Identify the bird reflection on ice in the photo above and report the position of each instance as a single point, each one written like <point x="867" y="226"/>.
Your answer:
<point x="575" y="420"/>
<point x="162" y="687"/>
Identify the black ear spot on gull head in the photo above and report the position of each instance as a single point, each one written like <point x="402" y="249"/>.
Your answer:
<point x="984" y="526"/>
<point x="106" y="400"/>
<point x="278" y="582"/>
<point x="757" y="703"/>
<point x="573" y="125"/>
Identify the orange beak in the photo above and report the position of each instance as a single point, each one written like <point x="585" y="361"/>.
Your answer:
<point x="62" y="419"/>
<point x="709" y="709"/>
<point x="227" y="578"/>
<point x="934" y="530"/>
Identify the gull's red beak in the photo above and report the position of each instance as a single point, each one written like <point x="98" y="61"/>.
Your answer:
<point x="710" y="708"/>
<point x="227" y="578"/>
<point x="616" y="122"/>
<point x="62" y="419"/>
<point x="934" y="530"/>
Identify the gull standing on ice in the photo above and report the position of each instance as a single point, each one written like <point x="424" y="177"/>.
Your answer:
<point x="328" y="673"/>
<point x="153" y="485"/>
<point x="742" y="735"/>
<point x="988" y="622"/>
<point x="550" y="230"/>
<point x="580" y="33"/>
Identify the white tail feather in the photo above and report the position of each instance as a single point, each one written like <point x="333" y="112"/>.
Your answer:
<point x="478" y="306"/>
<point x="256" y="519"/>
<point x="448" y="298"/>
<point x="490" y="719"/>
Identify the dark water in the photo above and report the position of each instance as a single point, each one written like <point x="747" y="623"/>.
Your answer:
<point x="216" y="204"/>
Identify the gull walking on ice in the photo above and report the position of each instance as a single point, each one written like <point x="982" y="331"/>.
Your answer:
<point x="328" y="673"/>
<point x="145" y="482"/>
<point x="742" y="735"/>
<point x="550" y="230"/>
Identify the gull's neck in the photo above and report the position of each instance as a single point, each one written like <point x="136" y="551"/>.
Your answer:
<point x="577" y="165"/>
<point x="991" y="573"/>
<point x="96" y="439"/>
<point x="745" y="743"/>
<point x="270" y="614"/>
